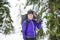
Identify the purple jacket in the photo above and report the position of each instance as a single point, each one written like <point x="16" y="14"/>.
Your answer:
<point x="31" y="30"/>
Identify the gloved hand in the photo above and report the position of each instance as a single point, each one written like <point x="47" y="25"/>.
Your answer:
<point x="39" y="21"/>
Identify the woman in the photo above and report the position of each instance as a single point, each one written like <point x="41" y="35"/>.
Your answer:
<point x="32" y="24"/>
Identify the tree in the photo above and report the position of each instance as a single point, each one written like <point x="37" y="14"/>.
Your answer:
<point x="53" y="20"/>
<point x="5" y="19"/>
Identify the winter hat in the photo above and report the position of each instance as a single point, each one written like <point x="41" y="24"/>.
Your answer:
<point x="30" y="12"/>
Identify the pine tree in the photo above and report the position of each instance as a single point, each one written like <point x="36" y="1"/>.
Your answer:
<point x="6" y="26"/>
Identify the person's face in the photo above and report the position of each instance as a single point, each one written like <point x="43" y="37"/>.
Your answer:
<point x="30" y="16"/>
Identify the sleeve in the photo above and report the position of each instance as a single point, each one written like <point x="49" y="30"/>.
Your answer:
<point x="38" y="25"/>
<point x="23" y="30"/>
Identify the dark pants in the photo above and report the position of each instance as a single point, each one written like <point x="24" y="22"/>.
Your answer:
<point x="30" y="38"/>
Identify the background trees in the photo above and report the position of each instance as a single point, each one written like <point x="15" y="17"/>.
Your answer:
<point x="52" y="9"/>
<point x="5" y="19"/>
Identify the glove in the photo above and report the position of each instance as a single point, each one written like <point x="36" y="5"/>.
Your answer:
<point x="39" y="20"/>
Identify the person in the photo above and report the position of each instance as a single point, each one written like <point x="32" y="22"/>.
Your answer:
<point x="32" y="24"/>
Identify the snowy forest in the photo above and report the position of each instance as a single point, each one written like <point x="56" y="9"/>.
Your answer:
<point x="11" y="12"/>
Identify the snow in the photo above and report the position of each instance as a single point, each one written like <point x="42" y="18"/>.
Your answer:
<point x="14" y="12"/>
<point x="11" y="37"/>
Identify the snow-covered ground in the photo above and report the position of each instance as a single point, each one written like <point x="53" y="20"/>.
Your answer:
<point x="16" y="36"/>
